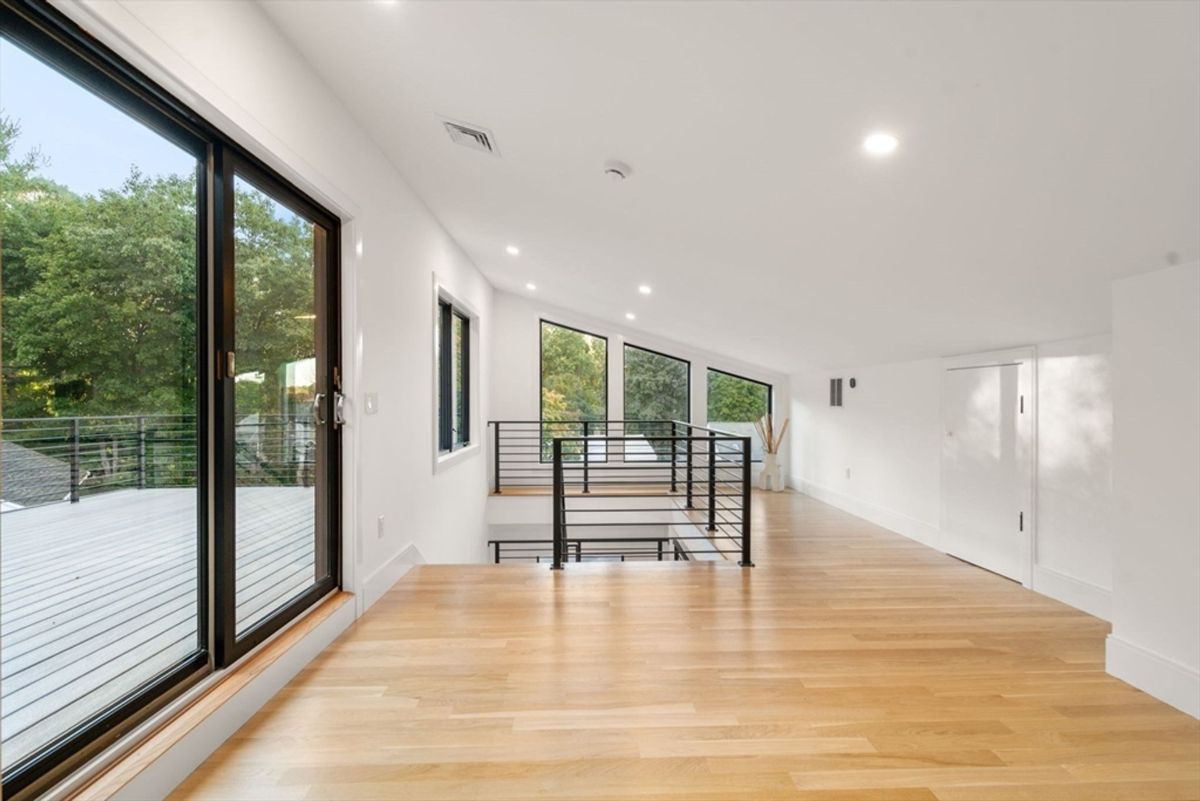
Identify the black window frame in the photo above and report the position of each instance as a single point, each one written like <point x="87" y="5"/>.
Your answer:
<point x="770" y="395"/>
<point x="55" y="39"/>
<point x="453" y="434"/>
<point x="542" y="321"/>
<point x="625" y="382"/>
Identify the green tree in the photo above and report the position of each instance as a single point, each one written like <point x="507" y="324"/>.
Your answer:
<point x="736" y="400"/>
<point x="656" y="389"/>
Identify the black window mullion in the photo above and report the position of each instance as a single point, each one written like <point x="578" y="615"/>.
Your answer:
<point x="445" y="377"/>
<point x="464" y="379"/>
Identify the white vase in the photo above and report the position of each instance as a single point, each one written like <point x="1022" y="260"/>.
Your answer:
<point x="771" y="477"/>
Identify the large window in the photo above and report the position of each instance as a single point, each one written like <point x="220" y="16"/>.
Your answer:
<point x="657" y="393"/>
<point x="130" y="567"/>
<point x="454" y="377"/>
<point x="574" y="388"/>
<point x="734" y="403"/>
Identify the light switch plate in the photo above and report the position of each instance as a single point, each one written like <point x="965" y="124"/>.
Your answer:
<point x="371" y="402"/>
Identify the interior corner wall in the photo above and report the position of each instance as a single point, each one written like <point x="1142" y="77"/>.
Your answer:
<point x="1155" y="642"/>
<point x="229" y="63"/>
<point x="878" y="456"/>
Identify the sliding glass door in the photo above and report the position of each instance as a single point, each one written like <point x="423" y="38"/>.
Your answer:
<point x="282" y="391"/>
<point x="169" y="399"/>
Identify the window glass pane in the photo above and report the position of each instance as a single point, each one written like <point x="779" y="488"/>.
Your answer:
<point x="443" y="432"/>
<point x="98" y="492"/>
<point x="276" y="253"/>
<point x="734" y="404"/>
<point x="574" y="386"/>
<point x="460" y="340"/>
<point x="656" y="389"/>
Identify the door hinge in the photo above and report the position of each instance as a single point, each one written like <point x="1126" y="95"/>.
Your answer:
<point x="1021" y="521"/>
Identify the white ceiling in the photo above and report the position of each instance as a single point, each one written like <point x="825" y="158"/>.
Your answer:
<point x="1045" y="148"/>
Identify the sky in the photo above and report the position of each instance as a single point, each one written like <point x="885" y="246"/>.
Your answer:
<point x="89" y="144"/>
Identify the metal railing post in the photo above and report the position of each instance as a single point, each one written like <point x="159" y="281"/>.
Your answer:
<point x="559" y="502"/>
<point x="745" y="562"/>
<point x="660" y="550"/>
<point x="74" y="491"/>
<point x="586" y="450"/>
<point x="496" y="460"/>
<point x="690" y="440"/>
<point x="712" y="481"/>
<point x="674" y="453"/>
<point x="141" y="452"/>
<point x="496" y="548"/>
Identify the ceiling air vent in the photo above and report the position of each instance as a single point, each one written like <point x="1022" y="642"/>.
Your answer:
<point x="472" y="136"/>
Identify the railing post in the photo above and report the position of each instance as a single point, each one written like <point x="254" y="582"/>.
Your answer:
<point x="586" y="453"/>
<point x="496" y="548"/>
<point x="496" y="462"/>
<point x="712" y="481"/>
<point x="578" y="551"/>
<point x="674" y="453"/>
<point x="745" y="562"/>
<point x="660" y="550"/>
<point x="74" y="460"/>
<point x="141" y="452"/>
<point x="690" y="440"/>
<point x="559" y="503"/>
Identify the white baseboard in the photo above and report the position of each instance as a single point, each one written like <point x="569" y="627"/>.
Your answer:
<point x="387" y="574"/>
<point x="1073" y="592"/>
<point x="902" y="524"/>
<point x="162" y="776"/>
<point x="1165" y="679"/>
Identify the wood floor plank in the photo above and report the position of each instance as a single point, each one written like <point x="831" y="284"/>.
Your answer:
<point x="850" y="664"/>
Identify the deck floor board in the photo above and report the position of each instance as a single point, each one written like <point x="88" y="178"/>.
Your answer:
<point x="98" y="596"/>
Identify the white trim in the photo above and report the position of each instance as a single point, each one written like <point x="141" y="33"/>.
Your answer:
<point x="384" y="577"/>
<point x="1155" y="674"/>
<point x="1087" y="597"/>
<point x="896" y="522"/>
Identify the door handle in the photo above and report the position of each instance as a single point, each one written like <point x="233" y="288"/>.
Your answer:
<point x="339" y="409"/>
<point x="316" y="409"/>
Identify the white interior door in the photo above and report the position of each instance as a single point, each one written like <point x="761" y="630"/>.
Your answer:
<point x="982" y="475"/>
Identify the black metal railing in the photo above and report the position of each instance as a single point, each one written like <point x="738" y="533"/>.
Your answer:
<point x="606" y="475"/>
<point x="591" y="549"/>
<point x="62" y="459"/>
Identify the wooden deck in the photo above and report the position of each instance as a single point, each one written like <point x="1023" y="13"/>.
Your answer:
<point x="852" y="663"/>
<point x="100" y="595"/>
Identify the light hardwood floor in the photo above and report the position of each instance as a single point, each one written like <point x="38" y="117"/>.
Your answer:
<point x="851" y="663"/>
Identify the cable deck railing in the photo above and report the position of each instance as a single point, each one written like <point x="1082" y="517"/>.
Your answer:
<point x="690" y="481"/>
<point x="62" y="459"/>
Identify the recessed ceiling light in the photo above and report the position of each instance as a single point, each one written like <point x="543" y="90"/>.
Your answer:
<point x="880" y="143"/>
<point x="512" y="250"/>
<point x="531" y="286"/>
<point x="645" y="289"/>
<point x="630" y="316"/>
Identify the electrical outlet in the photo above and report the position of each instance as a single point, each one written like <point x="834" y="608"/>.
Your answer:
<point x="371" y="402"/>
<point x="379" y="528"/>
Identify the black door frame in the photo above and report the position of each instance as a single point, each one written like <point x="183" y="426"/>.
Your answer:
<point x="228" y="647"/>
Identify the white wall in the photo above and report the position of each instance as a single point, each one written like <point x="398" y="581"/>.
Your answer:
<point x="888" y="434"/>
<point x="231" y="65"/>
<point x="1155" y="642"/>
<point x="516" y="348"/>
<point x="1073" y="547"/>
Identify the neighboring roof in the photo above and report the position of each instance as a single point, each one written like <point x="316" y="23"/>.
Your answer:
<point x="29" y="478"/>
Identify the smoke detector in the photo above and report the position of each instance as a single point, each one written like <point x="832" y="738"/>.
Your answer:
<point x="617" y="171"/>
<point x="475" y="137"/>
